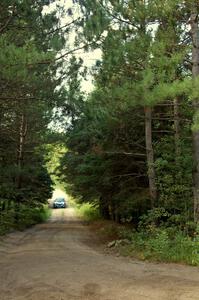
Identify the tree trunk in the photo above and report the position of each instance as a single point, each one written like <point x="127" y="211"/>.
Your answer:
<point x="195" y="73"/>
<point x="22" y="135"/>
<point x="104" y="208"/>
<point x="176" y="127"/>
<point x="150" y="155"/>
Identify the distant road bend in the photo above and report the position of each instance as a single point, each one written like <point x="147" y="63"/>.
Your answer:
<point x="56" y="261"/>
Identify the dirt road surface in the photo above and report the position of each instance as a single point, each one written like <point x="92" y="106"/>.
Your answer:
<point x="56" y="261"/>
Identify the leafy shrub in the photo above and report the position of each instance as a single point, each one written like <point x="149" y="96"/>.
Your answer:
<point x="125" y="233"/>
<point x="88" y="211"/>
<point x="154" y="217"/>
<point x="27" y="216"/>
<point x="162" y="244"/>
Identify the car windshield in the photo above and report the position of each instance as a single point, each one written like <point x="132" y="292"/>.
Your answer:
<point x="59" y="200"/>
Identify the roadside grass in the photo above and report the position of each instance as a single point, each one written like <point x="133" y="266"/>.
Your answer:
<point x="151" y="243"/>
<point x="160" y="244"/>
<point x="33" y="216"/>
<point x="26" y="217"/>
<point x="44" y="213"/>
<point x="88" y="212"/>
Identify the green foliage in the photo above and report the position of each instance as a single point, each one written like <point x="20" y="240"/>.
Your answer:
<point x="160" y="236"/>
<point x="160" y="245"/>
<point x="29" y="42"/>
<point x="154" y="217"/>
<point x="174" y="174"/>
<point x="28" y="216"/>
<point x="96" y="169"/>
<point x="54" y="152"/>
<point x="142" y="65"/>
<point x="88" y="212"/>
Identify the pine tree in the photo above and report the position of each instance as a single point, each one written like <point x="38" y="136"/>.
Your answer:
<point x="29" y="42"/>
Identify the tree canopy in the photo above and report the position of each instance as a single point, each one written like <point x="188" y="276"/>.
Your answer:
<point x="131" y="147"/>
<point x="128" y="146"/>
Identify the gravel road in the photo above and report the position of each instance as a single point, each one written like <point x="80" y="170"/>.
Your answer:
<point x="56" y="261"/>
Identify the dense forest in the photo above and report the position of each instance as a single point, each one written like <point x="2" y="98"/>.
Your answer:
<point x="134" y="146"/>
<point x="131" y="145"/>
<point x="29" y="81"/>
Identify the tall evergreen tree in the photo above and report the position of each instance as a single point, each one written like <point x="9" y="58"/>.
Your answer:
<point x="30" y="90"/>
<point x="145" y="66"/>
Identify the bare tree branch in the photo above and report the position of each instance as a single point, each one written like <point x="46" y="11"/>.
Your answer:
<point x="64" y="26"/>
<point x="125" y="153"/>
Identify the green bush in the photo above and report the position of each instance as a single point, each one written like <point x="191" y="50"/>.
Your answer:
<point x="27" y="216"/>
<point x="88" y="212"/>
<point x="163" y="244"/>
<point x="154" y="216"/>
